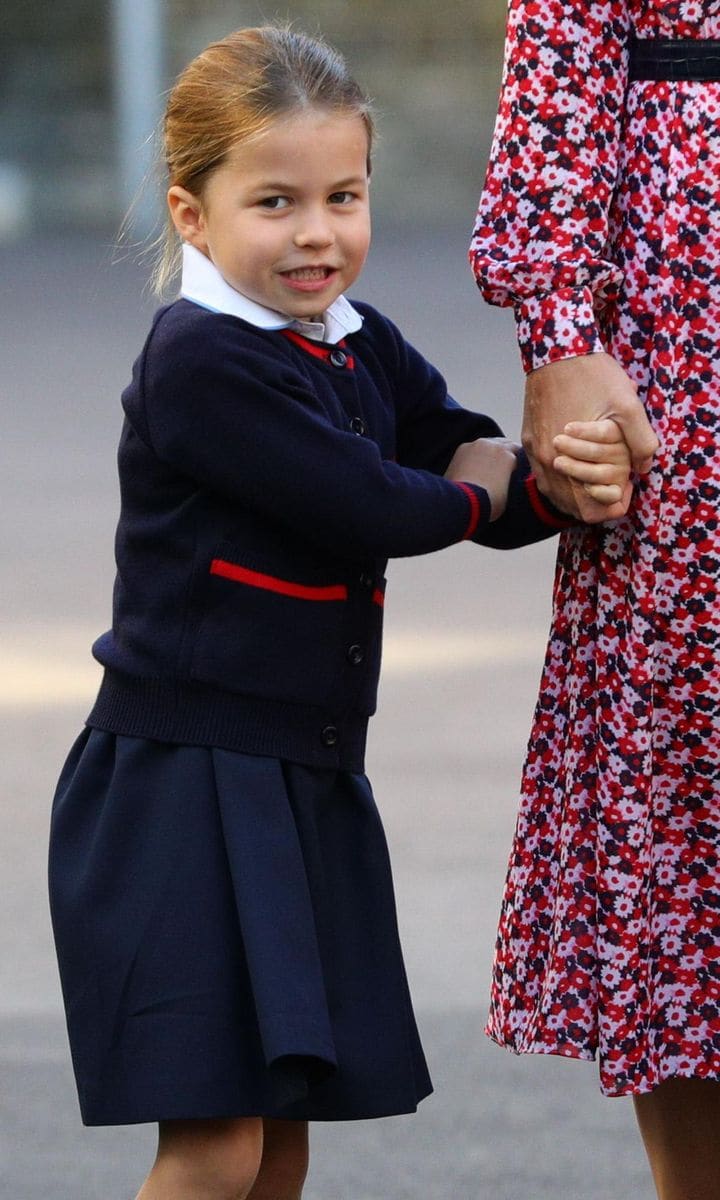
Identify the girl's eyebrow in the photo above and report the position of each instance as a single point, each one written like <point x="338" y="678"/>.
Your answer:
<point x="353" y="180"/>
<point x="271" y="186"/>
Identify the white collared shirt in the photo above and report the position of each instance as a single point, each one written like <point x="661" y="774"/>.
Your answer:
<point x="203" y="284"/>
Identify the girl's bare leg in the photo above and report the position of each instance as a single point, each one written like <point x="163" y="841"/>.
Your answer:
<point x="680" y="1126"/>
<point x="205" y="1160"/>
<point x="284" y="1162"/>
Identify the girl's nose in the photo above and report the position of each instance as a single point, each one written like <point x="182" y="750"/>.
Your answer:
<point x="314" y="229"/>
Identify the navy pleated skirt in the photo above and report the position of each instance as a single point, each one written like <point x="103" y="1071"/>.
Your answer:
<point x="227" y="939"/>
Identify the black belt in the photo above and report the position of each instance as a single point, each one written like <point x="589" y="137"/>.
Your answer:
<point x="675" y="59"/>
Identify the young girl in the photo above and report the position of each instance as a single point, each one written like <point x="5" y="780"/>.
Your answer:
<point x="221" y="892"/>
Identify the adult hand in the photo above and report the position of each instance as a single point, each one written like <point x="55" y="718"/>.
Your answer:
<point x="586" y="388"/>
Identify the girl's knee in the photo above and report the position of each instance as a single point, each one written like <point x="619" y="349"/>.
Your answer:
<point x="212" y="1160"/>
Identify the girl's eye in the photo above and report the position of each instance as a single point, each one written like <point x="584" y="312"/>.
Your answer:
<point x="342" y="197"/>
<point x="275" y="202"/>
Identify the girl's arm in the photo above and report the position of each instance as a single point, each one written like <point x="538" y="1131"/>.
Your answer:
<point x="594" y="455"/>
<point x="523" y="515"/>
<point x="435" y="433"/>
<point x="241" y="420"/>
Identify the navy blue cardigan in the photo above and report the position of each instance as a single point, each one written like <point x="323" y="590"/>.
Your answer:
<point x="265" y="480"/>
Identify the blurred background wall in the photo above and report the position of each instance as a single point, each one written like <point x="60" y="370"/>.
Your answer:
<point x="433" y="71"/>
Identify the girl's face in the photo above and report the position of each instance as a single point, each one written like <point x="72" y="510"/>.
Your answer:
<point x="286" y="218"/>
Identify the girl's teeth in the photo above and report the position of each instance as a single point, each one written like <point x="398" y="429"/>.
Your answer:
<point x="309" y="273"/>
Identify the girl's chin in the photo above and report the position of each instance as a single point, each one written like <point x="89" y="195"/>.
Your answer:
<point x="304" y="308"/>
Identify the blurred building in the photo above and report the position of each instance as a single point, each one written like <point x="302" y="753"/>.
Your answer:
<point x="433" y="71"/>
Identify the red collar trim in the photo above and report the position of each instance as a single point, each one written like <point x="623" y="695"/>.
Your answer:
<point x="317" y="349"/>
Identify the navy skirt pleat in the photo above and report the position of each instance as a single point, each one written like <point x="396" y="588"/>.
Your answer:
<point x="227" y="939"/>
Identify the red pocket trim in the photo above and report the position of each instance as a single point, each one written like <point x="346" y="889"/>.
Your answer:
<point x="228" y="570"/>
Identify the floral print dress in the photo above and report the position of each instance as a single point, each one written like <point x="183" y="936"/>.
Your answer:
<point x="600" y="224"/>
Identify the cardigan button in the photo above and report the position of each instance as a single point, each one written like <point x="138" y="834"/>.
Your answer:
<point x="366" y="581"/>
<point x="358" y="426"/>
<point x="355" y="655"/>
<point x="338" y="358"/>
<point x="329" y="735"/>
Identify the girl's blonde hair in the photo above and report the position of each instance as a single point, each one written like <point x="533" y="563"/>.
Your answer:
<point x="233" y="91"/>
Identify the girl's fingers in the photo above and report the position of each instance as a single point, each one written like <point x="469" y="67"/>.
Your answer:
<point x="604" y="431"/>
<point x="613" y="499"/>
<point x="604" y="493"/>
<point x="507" y="444"/>
<point x="589" y="451"/>
<point x="594" y="473"/>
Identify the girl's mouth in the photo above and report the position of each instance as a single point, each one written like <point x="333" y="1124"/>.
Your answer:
<point x="308" y="279"/>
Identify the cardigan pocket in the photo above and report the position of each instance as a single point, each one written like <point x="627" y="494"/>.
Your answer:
<point x="271" y="635"/>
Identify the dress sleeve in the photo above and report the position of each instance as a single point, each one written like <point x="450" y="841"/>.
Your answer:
<point x="540" y="239"/>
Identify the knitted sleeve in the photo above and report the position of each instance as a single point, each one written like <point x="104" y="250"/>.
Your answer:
<point x="540" y="239"/>
<point x="245" y="423"/>
<point x="431" y="425"/>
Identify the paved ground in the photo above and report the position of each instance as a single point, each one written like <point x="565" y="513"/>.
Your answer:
<point x="464" y="647"/>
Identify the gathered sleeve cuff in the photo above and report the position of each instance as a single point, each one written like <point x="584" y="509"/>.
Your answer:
<point x="556" y="325"/>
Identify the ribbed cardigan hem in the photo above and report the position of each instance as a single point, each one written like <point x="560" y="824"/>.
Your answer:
<point x="196" y="714"/>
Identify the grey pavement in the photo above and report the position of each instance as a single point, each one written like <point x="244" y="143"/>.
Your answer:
<point x="465" y="633"/>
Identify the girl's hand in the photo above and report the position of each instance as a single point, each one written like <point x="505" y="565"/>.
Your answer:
<point x="595" y="454"/>
<point x="591" y="387"/>
<point x="488" y="463"/>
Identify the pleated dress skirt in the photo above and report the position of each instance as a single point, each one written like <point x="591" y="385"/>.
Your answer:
<point x="227" y="939"/>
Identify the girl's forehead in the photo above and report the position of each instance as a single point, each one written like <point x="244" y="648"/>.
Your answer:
<point x="306" y="136"/>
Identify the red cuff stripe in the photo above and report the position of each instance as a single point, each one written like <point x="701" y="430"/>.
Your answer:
<point x="475" y="511"/>
<point x="269" y="582"/>
<point x="537" y="500"/>
<point x="379" y="597"/>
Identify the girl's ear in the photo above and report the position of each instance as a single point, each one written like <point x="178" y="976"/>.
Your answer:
<point x="187" y="216"/>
